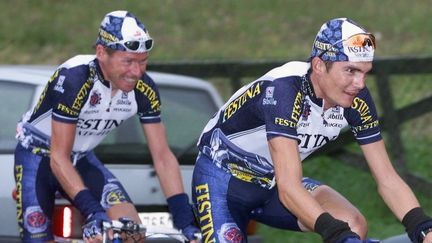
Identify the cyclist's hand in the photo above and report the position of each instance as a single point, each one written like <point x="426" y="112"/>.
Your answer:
<point x="183" y="216"/>
<point x="190" y="232"/>
<point x="428" y="238"/>
<point x="92" y="229"/>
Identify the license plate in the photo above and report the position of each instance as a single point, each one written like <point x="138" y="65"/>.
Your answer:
<point x="161" y="219"/>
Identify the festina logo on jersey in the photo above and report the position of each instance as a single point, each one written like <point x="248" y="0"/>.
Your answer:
<point x="98" y="124"/>
<point x="310" y="141"/>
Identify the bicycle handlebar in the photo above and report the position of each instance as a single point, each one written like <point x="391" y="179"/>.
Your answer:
<point x="126" y="228"/>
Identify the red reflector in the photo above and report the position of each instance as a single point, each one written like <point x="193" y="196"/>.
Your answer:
<point x="62" y="221"/>
<point x="14" y="194"/>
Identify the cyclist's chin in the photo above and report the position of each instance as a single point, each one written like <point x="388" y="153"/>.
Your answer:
<point x="345" y="103"/>
<point x="126" y="90"/>
<point x="128" y="86"/>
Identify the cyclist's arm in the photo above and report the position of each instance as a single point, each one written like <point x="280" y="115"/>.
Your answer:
<point x="288" y="170"/>
<point x="165" y="163"/>
<point x="394" y="191"/>
<point x="62" y="139"/>
<point x="168" y="170"/>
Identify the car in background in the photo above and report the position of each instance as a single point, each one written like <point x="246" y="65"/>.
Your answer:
<point x="187" y="104"/>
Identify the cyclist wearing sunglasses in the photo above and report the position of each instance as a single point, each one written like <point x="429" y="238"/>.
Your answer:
<point x="87" y="97"/>
<point x="251" y="151"/>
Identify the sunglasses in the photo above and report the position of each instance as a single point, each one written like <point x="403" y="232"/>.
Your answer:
<point x="356" y="40"/>
<point x="135" y="46"/>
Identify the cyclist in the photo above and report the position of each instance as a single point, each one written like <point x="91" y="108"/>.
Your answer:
<point x="86" y="98"/>
<point x="249" y="165"/>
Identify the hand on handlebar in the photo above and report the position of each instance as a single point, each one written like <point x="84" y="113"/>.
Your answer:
<point x="95" y="215"/>
<point x="190" y="232"/>
<point x="183" y="216"/>
<point x="93" y="227"/>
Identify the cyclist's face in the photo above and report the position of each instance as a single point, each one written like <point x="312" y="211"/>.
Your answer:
<point x="342" y="81"/>
<point x="122" y="69"/>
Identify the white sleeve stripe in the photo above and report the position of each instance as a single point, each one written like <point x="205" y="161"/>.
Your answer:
<point x="42" y="117"/>
<point x="149" y="117"/>
<point x="283" y="134"/>
<point x="371" y="136"/>
<point x="65" y="117"/>
<point x="246" y="132"/>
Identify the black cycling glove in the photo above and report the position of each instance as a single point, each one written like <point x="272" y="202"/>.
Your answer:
<point x="417" y="224"/>
<point x="334" y="230"/>
<point x="183" y="216"/>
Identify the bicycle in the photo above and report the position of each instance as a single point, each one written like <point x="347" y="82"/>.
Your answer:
<point x="124" y="229"/>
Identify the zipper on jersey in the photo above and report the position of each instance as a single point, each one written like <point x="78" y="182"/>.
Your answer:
<point x="111" y="98"/>
<point x="323" y="113"/>
<point x="109" y="106"/>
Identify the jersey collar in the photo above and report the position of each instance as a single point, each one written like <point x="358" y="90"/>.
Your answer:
<point x="307" y="88"/>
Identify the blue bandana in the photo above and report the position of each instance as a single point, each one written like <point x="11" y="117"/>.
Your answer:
<point x="342" y="39"/>
<point x="121" y="30"/>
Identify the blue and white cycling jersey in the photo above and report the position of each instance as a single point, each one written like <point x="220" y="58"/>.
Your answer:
<point x="78" y="94"/>
<point x="280" y="103"/>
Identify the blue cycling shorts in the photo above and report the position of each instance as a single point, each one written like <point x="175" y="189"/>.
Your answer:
<point x="224" y="204"/>
<point x="37" y="189"/>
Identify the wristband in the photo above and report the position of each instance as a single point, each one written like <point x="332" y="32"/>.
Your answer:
<point x="333" y="230"/>
<point x="417" y="224"/>
<point x="181" y="210"/>
<point x="86" y="203"/>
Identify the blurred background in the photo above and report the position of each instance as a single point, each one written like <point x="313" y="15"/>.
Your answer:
<point x="50" y="31"/>
<point x="273" y="31"/>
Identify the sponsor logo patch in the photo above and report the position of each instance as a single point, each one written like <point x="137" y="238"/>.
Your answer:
<point x="35" y="220"/>
<point x="230" y="232"/>
<point x="95" y="98"/>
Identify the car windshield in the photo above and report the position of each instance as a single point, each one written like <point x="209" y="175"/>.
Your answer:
<point x="15" y="99"/>
<point x="185" y="111"/>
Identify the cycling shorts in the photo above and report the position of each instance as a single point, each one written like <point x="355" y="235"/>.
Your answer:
<point x="37" y="189"/>
<point x="224" y="204"/>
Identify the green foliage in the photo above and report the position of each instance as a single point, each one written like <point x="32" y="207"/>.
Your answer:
<point x="50" y="31"/>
